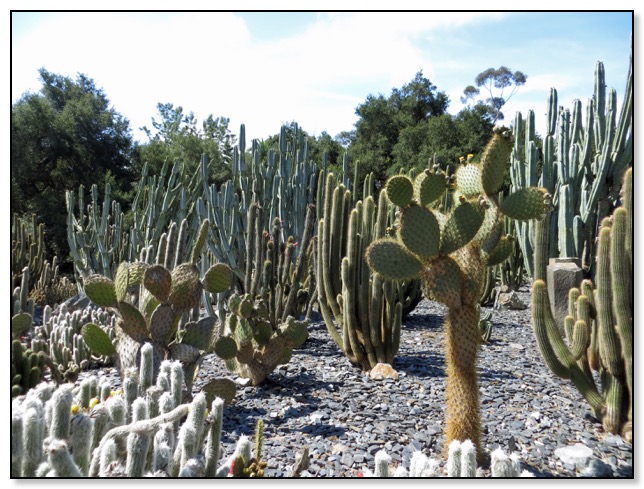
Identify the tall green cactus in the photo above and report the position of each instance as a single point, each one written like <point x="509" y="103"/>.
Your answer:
<point x="368" y="309"/>
<point x="449" y="254"/>
<point x="599" y="328"/>
<point x="27" y="250"/>
<point x="582" y="166"/>
<point x="282" y="184"/>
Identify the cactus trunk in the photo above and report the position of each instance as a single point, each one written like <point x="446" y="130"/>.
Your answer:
<point x="462" y="344"/>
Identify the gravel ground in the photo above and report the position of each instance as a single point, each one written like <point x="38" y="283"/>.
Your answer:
<point x="319" y="399"/>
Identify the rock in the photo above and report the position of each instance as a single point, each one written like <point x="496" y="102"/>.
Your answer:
<point x="511" y="301"/>
<point x="383" y="371"/>
<point x="578" y="454"/>
<point x="596" y="468"/>
<point x="562" y="275"/>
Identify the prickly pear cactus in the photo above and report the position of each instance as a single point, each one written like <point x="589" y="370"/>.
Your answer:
<point x="164" y="296"/>
<point x="449" y="254"/>
<point x="251" y="345"/>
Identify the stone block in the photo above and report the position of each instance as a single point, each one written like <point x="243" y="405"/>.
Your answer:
<point x="562" y="275"/>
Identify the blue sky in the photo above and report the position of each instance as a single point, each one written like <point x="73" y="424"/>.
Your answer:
<point x="267" y="68"/>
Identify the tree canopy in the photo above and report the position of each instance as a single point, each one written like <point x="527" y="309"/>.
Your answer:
<point x="493" y="80"/>
<point x="64" y="136"/>
<point x="411" y="127"/>
<point x="176" y="136"/>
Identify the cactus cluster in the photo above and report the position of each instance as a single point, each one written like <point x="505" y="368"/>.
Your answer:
<point x="140" y="430"/>
<point x="60" y="337"/>
<point x="22" y="311"/>
<point x="449" y="253"/>
<point x="599" y="328"/>
<point x="583" y="160"/>
<point x="461" y="462"/>
<point x="263" y="324"/>
<point x="163" y="297"/>
<point x="27" y="250"/>
<point x="368" y="310"/>
<point x="27" y="368"/>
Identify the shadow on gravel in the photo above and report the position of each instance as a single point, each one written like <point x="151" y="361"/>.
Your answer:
<point x="422" y="322"/>
<point x="423" y="364"/>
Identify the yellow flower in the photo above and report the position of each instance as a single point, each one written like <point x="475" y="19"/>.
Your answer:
<point x="75" y="408"/>
<point x="93" y="402"/>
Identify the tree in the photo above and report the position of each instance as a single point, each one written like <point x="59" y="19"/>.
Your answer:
<point x="383" y="119"/>
<point x="176" y="136"/>
<point x="497" y="79"/>
<point x="65" y="136"/>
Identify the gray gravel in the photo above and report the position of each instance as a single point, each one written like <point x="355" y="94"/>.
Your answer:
<point x="319" y="399"/>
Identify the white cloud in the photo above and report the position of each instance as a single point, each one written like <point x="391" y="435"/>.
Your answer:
<point x="210" y="63"/>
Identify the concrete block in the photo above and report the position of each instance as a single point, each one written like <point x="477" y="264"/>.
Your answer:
<point x="562" y="275"/>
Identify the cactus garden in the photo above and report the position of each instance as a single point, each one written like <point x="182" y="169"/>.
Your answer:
<point x="298" y="317"/>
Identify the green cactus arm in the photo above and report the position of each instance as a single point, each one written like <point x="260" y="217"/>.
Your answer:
<point x="526" y="203"/>
<point x="360" y="348"/>
<point x="468" y="179"/>
<point x="461" y="227"/>
<point x="100" y="290"/>
<point x="400" y="190"/>
<point x="609" y="349"/>
<point x="501" y="251"/>
<point x="200" y="241"/>
<point x="97" y="340"/>
<point x="392" y="260"/>
<point x="555" y="352"/>
<point x="495" y="162"/>
<point x="218" y="278"/>
<point x="420" y="232"/>
<point x="20" y="324"/>
<point x="430" y="186"/>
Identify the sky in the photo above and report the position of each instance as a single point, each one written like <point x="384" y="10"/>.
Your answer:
<point x="264" y="69"/>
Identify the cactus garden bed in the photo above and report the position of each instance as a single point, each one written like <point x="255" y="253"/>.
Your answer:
<point x="345" y="417"/>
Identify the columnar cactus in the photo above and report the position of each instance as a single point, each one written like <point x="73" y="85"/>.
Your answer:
<point x="263" y="326"/>
<point x="449" y="254"/>
<point x="599" y="328"/>
<point x="582" y="167"/>
<point x="368" y="310"/>
<point x="27" y="250"/>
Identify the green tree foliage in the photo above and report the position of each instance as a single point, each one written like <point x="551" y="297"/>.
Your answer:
<point x="493" y="80"/>
<point x="65" y="136"/>
<point x="383" y="121"/>
<point x="177" y="136"/>
<point x="410" y="128"/>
